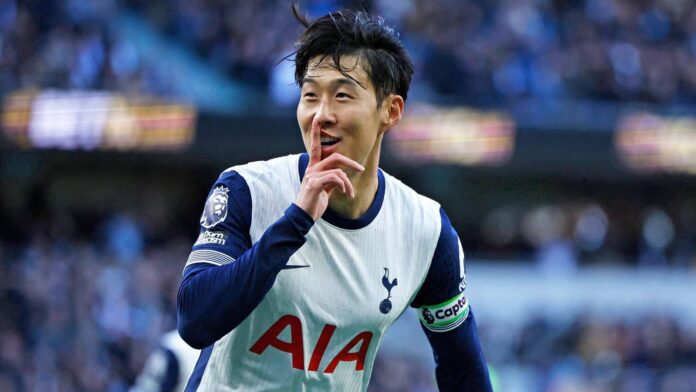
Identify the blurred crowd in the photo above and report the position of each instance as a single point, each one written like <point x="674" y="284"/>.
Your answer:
<point x="479" y="52"/>
<point x="591" y="49"/>
<point x="85" y="307"/>
<point x="563" y="235"/>
<point x="68" y="45"/>
<point x="651" y="352"/>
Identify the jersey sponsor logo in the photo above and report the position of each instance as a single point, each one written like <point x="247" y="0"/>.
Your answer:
<point x="211" y="237"/>
<point x="353" y="351"/>
<point x="385" y="306"/>
<point x="445" y="316"/>
<point x="215" y="210"/>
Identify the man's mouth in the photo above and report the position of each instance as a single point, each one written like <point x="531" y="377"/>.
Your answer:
<point x="327" y="141"/>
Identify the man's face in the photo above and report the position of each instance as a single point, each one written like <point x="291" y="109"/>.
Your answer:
<point x="351" y="122"/>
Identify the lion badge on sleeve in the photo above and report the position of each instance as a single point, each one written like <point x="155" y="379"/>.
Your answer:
<point x="215" y="210"/>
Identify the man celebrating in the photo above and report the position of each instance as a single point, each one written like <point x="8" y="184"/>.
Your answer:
<point x="304" y="261"/>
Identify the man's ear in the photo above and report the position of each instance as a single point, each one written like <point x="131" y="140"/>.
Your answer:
<point x="392" y="109"/>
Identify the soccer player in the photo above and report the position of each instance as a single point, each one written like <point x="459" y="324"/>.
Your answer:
<point x="304" y="261"/>
<point x="168" y="367"/>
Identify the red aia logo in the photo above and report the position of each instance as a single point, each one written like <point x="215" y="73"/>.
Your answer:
<point x="295" y="345"/>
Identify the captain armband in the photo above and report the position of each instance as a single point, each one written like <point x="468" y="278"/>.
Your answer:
<point x="445" y="316"/>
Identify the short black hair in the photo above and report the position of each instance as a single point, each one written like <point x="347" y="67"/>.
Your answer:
<point x="367" y="37"/>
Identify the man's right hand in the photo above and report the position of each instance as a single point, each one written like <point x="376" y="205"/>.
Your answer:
<point x="324" y="177"/>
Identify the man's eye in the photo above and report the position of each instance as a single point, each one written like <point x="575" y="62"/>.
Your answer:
<point x="309" y="95"/>
<point x="342" y="95"/>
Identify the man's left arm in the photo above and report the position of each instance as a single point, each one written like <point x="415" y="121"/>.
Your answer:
<point x="448" y="320"/>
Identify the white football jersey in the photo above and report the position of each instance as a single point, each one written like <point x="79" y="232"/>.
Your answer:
<point x="319" y="326"/>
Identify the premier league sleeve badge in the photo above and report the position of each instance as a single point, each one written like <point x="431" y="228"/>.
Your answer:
<point x="215" y="210"/>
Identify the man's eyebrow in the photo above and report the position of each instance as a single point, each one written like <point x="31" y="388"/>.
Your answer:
<point x="336" y="82"/>
<point x="342" y="81"/>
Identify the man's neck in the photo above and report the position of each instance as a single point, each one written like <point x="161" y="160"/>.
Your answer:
<point x="365" y="185"/>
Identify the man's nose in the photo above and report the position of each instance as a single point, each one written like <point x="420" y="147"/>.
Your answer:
<point x="325" y="115"/>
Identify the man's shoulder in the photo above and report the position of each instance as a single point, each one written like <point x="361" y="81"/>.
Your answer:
<point x="418" y="215"/>
<point x="276" y="168"/>
<point x="402" y="193"/>
<point x="269" y="186"/>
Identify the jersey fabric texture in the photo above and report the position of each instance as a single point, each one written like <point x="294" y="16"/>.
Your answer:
<point x="281" y="303"/>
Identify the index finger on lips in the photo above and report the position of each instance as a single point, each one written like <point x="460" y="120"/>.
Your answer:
<point x="336" y="160"/>
<point x="315" y="143"/>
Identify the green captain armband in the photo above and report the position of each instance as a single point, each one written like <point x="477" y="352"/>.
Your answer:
<point x="445" y="316"/>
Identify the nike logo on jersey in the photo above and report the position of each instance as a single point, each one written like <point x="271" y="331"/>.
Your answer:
<point x="294" y="266"/>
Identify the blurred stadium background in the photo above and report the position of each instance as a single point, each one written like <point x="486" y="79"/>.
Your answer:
<point x="560" y="136"/>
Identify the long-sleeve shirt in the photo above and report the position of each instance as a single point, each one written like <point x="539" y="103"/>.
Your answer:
<point x="280" y="302"/>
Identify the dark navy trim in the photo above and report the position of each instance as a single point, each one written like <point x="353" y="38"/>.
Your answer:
<point x="195" y="380"/>
<point x="302" y="164"/>
<point x="342" y="221"/>
<point x="171" y="375"/>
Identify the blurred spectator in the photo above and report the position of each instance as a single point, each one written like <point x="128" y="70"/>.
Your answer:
<point x="124" y="238"/>
<point x="658" y="233"/>
<point x="169" y="366"/>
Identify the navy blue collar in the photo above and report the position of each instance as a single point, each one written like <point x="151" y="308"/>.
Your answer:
<point x="343" y="221"/>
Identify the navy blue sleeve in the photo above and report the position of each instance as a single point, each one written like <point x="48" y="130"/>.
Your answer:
<point x="226" y="276"/>
<point x="447" y="318"/>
